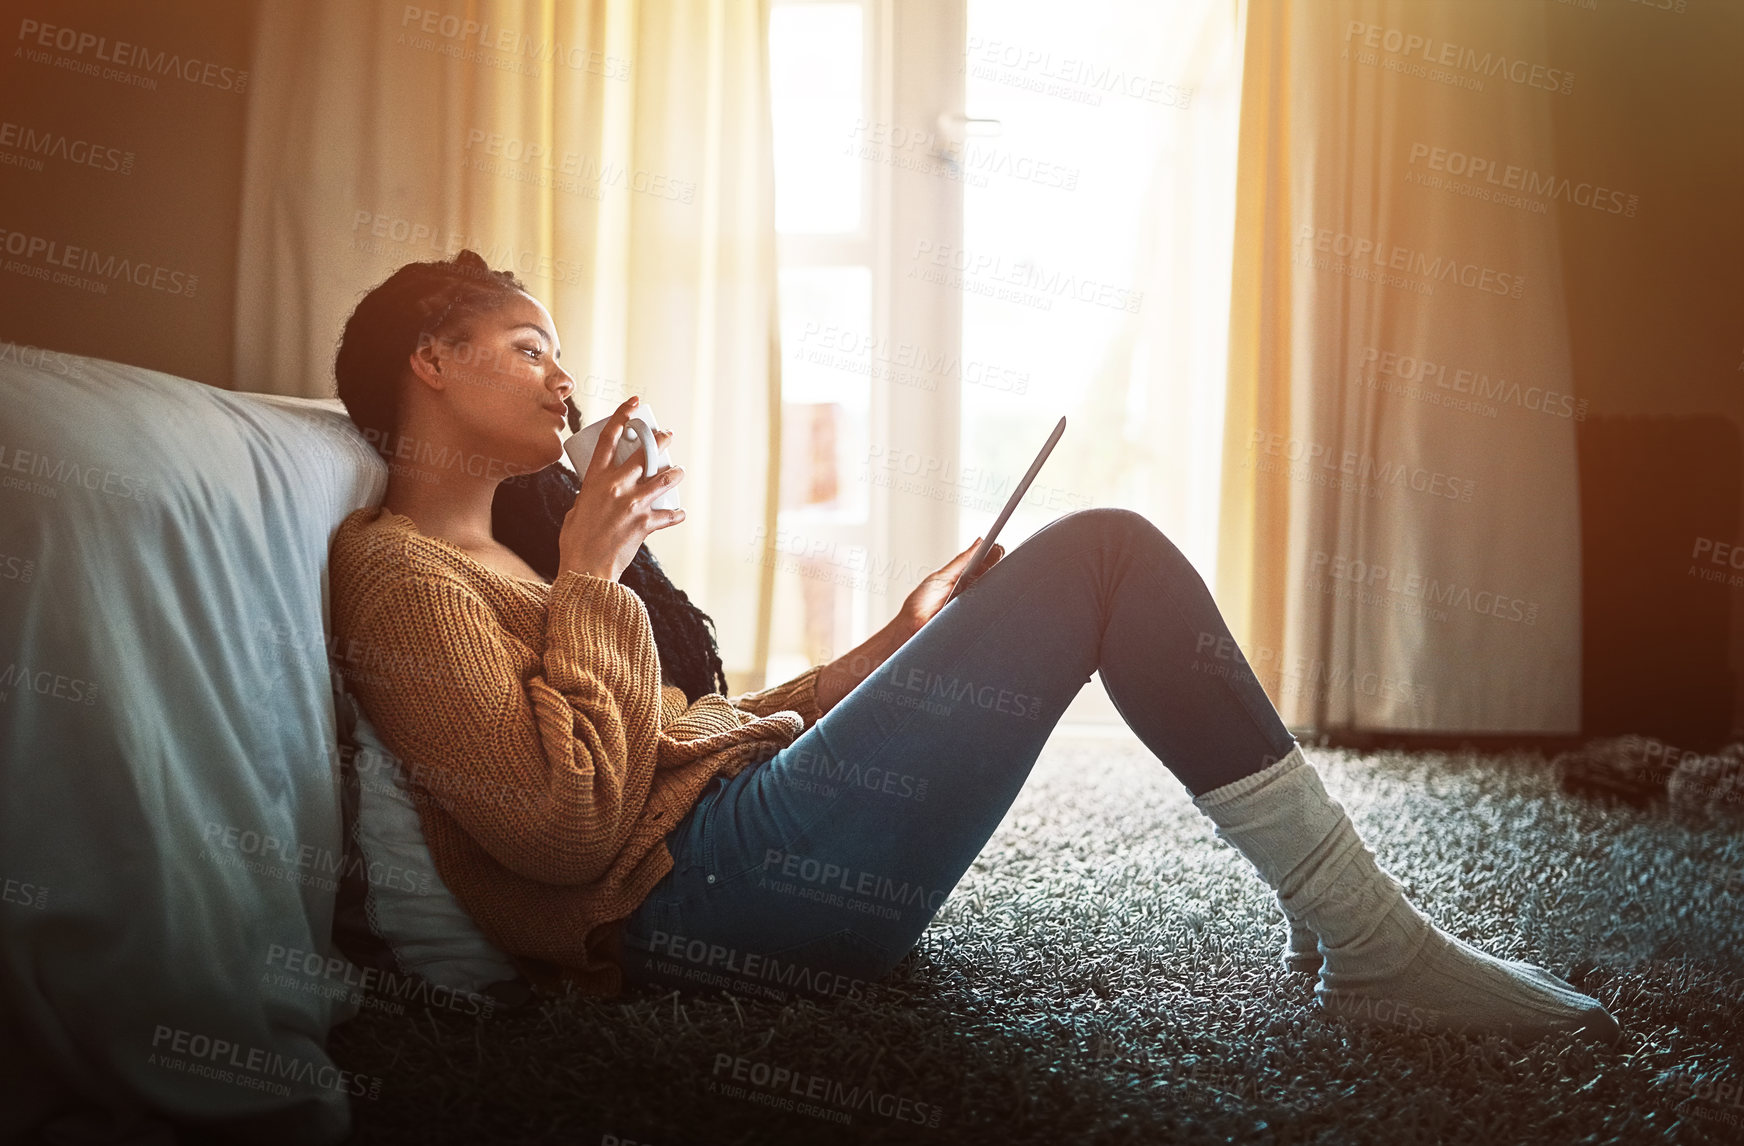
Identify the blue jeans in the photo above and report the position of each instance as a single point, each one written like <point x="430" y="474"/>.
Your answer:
<point x="816" y="871"/>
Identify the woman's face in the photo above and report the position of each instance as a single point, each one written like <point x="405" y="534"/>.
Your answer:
<point x="504" y="388"/>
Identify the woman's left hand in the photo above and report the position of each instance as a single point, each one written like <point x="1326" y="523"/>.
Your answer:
<point x="839" y="677"/>
<point x="931" y="594"/>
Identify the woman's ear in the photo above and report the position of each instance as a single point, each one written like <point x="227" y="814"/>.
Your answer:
<point x="426" y="362"/>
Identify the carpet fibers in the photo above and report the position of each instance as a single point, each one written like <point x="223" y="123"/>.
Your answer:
<point x="1107" y="973"/>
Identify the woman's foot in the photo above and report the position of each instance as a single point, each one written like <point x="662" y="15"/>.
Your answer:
<point x="1384" y="962"/>
<point x="1398" y="969"/>
<point x="1301" y="945"/>
<point x="1301" y="951"/>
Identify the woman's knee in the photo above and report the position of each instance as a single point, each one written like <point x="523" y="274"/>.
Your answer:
<point x="1108" y="528"/>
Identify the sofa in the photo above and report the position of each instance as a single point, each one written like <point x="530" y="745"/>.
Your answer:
<point x="170" y="818"/>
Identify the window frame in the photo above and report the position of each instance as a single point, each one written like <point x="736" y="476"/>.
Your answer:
<point x="916" y="90"/>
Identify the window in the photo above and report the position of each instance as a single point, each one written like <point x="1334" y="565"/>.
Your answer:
<point x="992" y="213"/>
<point x="1104" y="212"/>
<point x="860" y="366"/>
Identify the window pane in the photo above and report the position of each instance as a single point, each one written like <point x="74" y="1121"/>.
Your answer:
<point x="1117" y="128"/>
<point x="815" y="84"/>
<point x="826" y="361"/>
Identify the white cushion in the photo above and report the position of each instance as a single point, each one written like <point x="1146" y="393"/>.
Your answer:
<point x="410" y="907"/>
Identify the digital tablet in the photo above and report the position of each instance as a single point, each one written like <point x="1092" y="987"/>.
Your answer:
<point x="992" y="535"/>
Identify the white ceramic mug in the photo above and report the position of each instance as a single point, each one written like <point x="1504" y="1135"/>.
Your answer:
<point x="638" y="438"/>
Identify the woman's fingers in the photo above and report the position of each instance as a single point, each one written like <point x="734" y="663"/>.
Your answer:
<point x="607" y="446"/>
<point x="955" y="566"/>
<point x="630" y="480"/>
<point x="664" y="518"/>
<point x="627" y="475"/>
<point x="650" y="488"/>
<point x="987" y="562"/>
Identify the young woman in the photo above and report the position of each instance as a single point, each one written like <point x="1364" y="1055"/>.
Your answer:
<point x="605" y="813"/>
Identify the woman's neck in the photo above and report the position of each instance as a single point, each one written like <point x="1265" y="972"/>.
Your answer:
<point x="444" y="501"/>
<point x="460" y="516"/>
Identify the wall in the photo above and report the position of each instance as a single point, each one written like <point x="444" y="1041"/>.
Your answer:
<point x="120" y="175"/>
<point x="1656" y="297"/>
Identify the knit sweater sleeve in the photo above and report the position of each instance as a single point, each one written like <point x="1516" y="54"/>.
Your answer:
<point x="546" y="760"/>
<point x="797" y="695"/>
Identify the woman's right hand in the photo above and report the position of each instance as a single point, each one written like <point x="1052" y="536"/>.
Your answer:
<point x="613" y="513"/>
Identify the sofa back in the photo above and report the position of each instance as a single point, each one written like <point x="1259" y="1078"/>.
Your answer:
<point x="169" y="814"/>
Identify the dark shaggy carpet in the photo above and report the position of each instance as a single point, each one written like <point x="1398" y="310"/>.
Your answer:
<point x="1107" y="973"/>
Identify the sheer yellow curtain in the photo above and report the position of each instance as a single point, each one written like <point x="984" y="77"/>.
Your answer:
<point x="615" y="153"/>
<point x="1253" y="520"/>
<point x="1399" y="545"/>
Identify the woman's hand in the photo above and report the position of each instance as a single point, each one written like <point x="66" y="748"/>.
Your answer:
<point x="838" y="678"/>
<point x="932" y="593"/>
<point x="613" y="513"/>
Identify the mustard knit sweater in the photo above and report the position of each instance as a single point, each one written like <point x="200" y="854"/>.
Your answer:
<point x="547" y="759"/>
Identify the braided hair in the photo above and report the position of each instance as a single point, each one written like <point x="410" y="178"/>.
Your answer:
<point x="423" y="301"/>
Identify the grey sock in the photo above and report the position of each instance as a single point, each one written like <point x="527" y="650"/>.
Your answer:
<point x="1385" y="963"/>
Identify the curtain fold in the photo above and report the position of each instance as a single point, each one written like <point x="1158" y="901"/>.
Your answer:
<point x="617" y="154"/>
<point x="1399" y="545"/>
<point x="1252" y="525"/>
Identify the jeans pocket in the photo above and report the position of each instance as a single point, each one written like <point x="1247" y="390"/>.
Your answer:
<point x="723" y="854"/>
